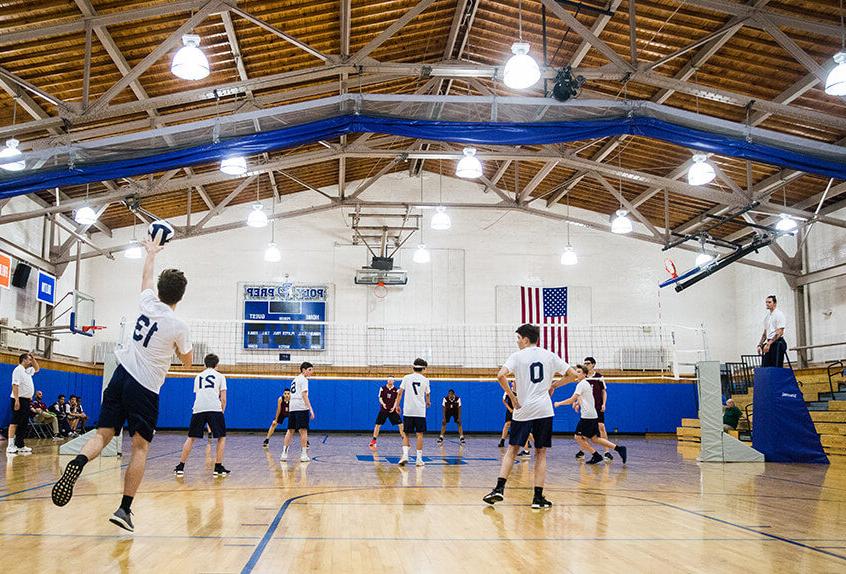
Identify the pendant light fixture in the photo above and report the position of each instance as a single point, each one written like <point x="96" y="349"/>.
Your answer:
<point x="701" y="172"/>
<point x="440" y="220"/>
<point x="469" y="166"/>
<point x="835" y="83"/>
<point x="134" y="251"/>
<point x="521" y="71"/>
<point x="704" y="257"/>
<point x="786" y="223"/>
<point x="190" y="63"/>
<point x="620" y="223"/>
<point x="85" y="215"/>
<point x="569" y="256"/>
<point x="234" y="165"/>
<point x="272" y="253"/>
<point x="257" y="217"/>
<point x="10" y="155"/>
<point x="421" y="254"/>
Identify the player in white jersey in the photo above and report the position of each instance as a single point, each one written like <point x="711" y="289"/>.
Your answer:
<point x="132" y="396"/>
<point x="209" y="405"/>
<point x="415" y="388"/>
<point x="587" y="430"/>
<point x="300" y="413"/>
<point x="534" y="370"/>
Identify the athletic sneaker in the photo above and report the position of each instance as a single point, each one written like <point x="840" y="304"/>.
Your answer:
<point x="420" y="462"/>
<point x="180" y="469"/>
<point x="57" y="437"/>
<point x="304" y="457"/>
<point x="525" y="452"/>
<point x="494" y="496"/>
<point x="440" y="440"/>
<point x="539" y="502"/>
<point x="220" y="470"/>
<point x="284" y="456"/>
<point x="595" y="458"/>
<point x="266" y="443"/>
<point x="461" y="440"/>
<point x="24" y="450"/>
<point x="502" y="443"/>
<point x="529" y="446"/>
<point x="622" y="450"/>
<point x="11" y="449"/>
<point x="403" y="461"/>
<point x="123" y="518"/>
<point x="580" y="455"/>
<point x="63" y="489"/>
<point x="608" y="457"/>
<point x="373" y="443"/>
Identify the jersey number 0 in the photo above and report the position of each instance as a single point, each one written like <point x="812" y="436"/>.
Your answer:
<point x="536" y="372"/>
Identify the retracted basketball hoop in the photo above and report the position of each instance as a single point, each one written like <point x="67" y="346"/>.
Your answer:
<point x="379" y="290"/>
<point x="670" y="267"/>
<point x="86" y="329"/>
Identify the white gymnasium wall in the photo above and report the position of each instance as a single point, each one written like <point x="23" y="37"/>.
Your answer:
<point x="19" y="306"/>
<point x="615" y="282"/>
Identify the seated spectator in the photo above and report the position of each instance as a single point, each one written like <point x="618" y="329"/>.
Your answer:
<point x="61" y="409"/>
<point x="76" y="417"/>
<point x="731" y="416"/>
<point x="40" y="414"/>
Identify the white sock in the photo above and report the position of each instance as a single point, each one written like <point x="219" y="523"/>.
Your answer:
<point x="285" y="449"/>
<point x="304" y="450"/>
<point x="420" y="455"/>
<point x="405" y="451"/>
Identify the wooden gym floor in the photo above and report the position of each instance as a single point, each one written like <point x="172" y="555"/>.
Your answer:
<point x="351" y="511"/>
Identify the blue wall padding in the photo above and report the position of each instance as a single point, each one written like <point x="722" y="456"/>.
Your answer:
<point x="351" y="405"/>
<point x="783" y="429"/>
<point x="53" y="383"/>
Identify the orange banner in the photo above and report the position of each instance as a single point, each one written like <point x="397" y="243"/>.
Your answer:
<point x="5" y="270"/>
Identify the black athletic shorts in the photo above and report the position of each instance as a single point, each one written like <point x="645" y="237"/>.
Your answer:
<point x="452" y="415"/>
<point x="508" y="415"/>
<point x="20" y="417"/>
<point x="588" y="428"/>
<point x="392" y="416"/>
<point x="414" y="424"/>
<point x="540" y="428"/>
<point x="281" y="419"/>
<point x="126" y="401"/>
<point x="298" y="420"/>
<point x="215" y="420"/>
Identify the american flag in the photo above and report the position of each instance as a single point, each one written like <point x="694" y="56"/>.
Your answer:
<point x="547" y="308"/>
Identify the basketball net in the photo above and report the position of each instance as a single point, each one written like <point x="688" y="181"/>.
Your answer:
<point x="380" y="291"/>
<point x="670" y="267"/>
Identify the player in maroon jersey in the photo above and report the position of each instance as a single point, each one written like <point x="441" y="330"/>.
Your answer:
<point x="452" y="410"/>
<point x="282" y="407"/>
<point x="387" y="402"/>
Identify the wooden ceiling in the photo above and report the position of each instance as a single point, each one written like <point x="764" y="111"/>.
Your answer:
<point x="749" y="62"/>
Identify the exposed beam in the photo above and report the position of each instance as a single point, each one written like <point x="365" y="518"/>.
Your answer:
<point x="792" y="47"/>
<point x="305" y="185"/>
<point x="224" y="202"/>
<point x="386" y="34"/>
<point x="80" y="229"/>
<point x="32" y="89"/>
<point x="781" y="19"/>
<point x="822" y="275"/>
<point x="346" y="15"/>
<point x="598" y="26"/>
<point x="536" y="180"/>
<point x="633" y="32"/>
<point x="627" y="205"/>
<point x="277" y="32"/>
<point x="362" y="187"/>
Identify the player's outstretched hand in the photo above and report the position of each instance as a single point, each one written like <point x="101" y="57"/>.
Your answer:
<point x="151" y="246"/>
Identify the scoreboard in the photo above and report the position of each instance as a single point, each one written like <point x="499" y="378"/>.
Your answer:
<point x="275" y="316"/>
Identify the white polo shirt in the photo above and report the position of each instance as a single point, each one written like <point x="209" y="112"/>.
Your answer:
<point x="774" y="320"/>
<point x="22" y="377"/>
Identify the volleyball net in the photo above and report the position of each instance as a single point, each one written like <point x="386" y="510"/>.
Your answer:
<point x="668" y="350"/>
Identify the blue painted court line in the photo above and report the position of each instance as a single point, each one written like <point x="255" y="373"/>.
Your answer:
<point x="88" y="474"/>
<point x="435" y="460"/>
<point x="325" y="438"/>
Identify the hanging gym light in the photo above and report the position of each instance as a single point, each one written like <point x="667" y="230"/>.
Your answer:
<point x="569" y="256"/>
<point x="521" y="71"/>
<point x="272" y="253"/>
<point x="234" y="165"/>
<point x="11" y="152"/>
<point x="421" y="254"/>
<point x="701" y="172"/>
<point x="786" y="223"/>
<point x="190" y="63"/>
<point x="441" y="220"/>
<point x="85" y="215"/>
<point x="620" y="223"/>
<point x="134" y="251"/>
<point x="469" y="166"/>
<point x="257" y="216"/>
<point x="835" y="83"/>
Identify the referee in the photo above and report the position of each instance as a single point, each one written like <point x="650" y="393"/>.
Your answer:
<point x="22" y="391"/>
<point x="772" y="346"/>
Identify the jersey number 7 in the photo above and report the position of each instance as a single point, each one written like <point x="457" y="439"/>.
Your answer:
<point x="144" y="321"/>
<point x="414" y="387"/>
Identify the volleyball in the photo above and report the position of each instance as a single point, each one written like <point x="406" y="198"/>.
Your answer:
<point x="160" y="232"/>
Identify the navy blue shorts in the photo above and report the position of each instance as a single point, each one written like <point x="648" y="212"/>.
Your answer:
<point x="298" y="420"/>
<point x="414" y="424"/>
<point x="215" y="420"/>
<point x="541" y="429"/>
<point x="125" y="401"/>
<point x="588" y="428"/>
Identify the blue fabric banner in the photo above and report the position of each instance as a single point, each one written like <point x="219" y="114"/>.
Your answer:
<point x="144" y="162"/>
<point x="782" y="428"/>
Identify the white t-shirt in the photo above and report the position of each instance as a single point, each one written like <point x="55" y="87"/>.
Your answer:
<point x="772" y="321"/>
<point x="534" y="368"/>
<point x="585" y="392"/>
<point x="22" y="377"/>
<point x="415" y="387"/>
<point x="298" y="386"/>
<point x="207" y="388"/>
<point x="149" y="351"/>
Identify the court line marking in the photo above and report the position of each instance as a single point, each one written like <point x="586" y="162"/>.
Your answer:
<point x="500" y="539"/>
<point x="46" y="484"/>
<point x="125" y="536"/>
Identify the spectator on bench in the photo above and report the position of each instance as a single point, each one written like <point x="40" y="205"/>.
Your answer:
<point x="40" y="414"/>
<point x="731" y="416"/>
<point x="76" y="417"/>
<point x="62" y="409"/>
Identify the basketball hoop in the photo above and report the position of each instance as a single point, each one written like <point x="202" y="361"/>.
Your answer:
<point x="380" y="291"/>
<point x="670" y="267"/>
<point x="92" y="328"/>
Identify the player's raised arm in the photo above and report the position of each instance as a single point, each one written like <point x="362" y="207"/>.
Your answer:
<point x="570" y="375"/>
<point x="502" y="377"/>
<point x="148" y="275"/>
<point x="34" y="363"/>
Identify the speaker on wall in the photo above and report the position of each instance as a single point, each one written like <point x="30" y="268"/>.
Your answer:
<point x="21" y="275"/>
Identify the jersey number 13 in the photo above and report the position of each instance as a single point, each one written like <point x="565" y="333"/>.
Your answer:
<point x="144" y="323"/>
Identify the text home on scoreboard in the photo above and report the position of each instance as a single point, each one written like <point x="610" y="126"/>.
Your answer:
<point x="277" y="316"/>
